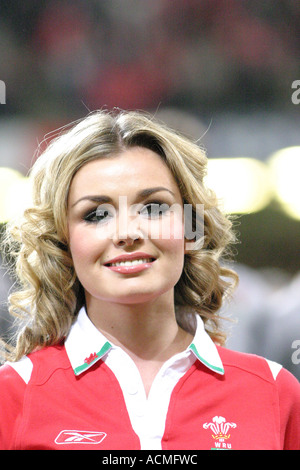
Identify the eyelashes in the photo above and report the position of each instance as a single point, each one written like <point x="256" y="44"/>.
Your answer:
<point x="154" y="210"/>
<point x="96" y="216"/>
<point x="151" y="210"/>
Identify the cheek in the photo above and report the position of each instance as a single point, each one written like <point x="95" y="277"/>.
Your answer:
<point x="177" y="228"/>
<point x="83" y="246"/>
<point x="171" y="243"/>
<point x="169" y="228"/>
<point x="173" y="259"/>
<point x="172" y="247"/>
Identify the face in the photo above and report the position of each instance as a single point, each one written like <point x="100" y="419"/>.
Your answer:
<point x="125" y="225"/>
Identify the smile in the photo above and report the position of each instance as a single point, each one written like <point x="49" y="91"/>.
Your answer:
<point x="132" y="263"/>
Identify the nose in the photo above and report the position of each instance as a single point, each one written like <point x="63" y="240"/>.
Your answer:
<point x="128" y="241"/>
<point x="127" y="238"/>
<point x="127" y="230"/>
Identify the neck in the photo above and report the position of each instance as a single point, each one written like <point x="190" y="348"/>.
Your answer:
<point x="146" y="331"/>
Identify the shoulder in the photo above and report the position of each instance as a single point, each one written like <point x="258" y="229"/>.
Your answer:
<point x="16" y="382"/>
<point x="43" y="362"/>
<point x="11" y="371"/>
<point x="258" y="366"/>
<point x="12" y="392"/>
<point x="250" y="364"/>
<point x="269" y="383"/>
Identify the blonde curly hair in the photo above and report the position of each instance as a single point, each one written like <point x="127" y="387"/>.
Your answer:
<point x="49" y="294"/>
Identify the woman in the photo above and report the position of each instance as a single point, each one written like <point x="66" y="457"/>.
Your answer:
<point x="120" y="292"/>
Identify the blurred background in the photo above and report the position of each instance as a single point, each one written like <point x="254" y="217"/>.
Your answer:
<point x="224" y="72"/>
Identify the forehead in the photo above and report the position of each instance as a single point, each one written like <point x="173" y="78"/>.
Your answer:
<point x="133" y="169"/>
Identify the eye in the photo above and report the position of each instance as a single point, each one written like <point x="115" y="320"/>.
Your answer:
<point x="154" y="210"/>
<point x="98" y="215"/>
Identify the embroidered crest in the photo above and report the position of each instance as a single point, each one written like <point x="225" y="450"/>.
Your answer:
<point x="220" y="431"/>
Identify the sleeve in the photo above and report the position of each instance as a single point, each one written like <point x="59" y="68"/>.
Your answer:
<point x="289" y="403"/>
<point x="12" y="391"/>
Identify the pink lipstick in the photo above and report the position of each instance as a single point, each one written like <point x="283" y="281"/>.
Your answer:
<point x="130" y="263"/>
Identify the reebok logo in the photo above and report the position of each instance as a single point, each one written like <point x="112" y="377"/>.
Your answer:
<point x="79" y="437"/>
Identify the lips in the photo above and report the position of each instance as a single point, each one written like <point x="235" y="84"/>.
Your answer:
<point x="130" y="257"/>
<point x="131" y="263"/>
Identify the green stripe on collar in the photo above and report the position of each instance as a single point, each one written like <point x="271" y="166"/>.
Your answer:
<point x="96" y="357"/>
<point x="220" y="370"/>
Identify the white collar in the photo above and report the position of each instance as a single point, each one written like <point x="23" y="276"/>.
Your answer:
<point x="85" y="345"/>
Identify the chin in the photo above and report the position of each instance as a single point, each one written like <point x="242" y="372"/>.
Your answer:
<point x="134" y="299"/>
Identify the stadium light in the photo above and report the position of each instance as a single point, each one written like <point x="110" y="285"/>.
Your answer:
<point x="243" y="185"/>
<point x="285" y="170"/>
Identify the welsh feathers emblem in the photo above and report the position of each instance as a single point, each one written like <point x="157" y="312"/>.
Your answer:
<point x="219" y="427"/>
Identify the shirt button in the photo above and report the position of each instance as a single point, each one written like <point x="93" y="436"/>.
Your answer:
<point x="132" y="389"/>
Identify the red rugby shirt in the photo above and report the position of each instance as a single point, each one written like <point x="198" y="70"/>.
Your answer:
<point x="87" y="394"/>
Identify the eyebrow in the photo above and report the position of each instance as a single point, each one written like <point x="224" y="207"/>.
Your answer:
<point x="101" y="199"/>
